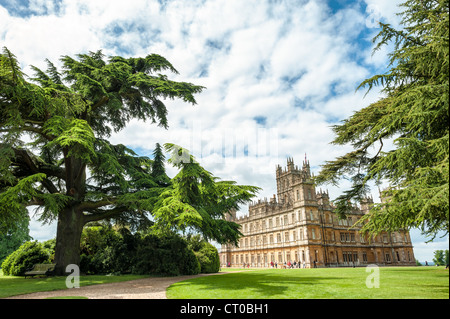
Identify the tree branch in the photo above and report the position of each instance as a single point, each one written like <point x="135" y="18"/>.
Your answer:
<point x="92" y="206"/>
<point x="28" y="129"/>
<point x="101" y="102"/>
<point x="23" y="159"/>
<point x="104" y="214"/>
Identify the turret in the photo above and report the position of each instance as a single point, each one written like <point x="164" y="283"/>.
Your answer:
<point x="366" y="203"/>
<point x="306" y="168"/>
<point x="323" y="197"/>
<point x="290" y="164"/>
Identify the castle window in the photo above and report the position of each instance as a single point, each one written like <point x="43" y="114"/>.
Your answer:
<point x="313" y="233"/>
<point x="387" y="257"/>
<point x="298" y="194"/>
<point x="311" y="215"/>
<point x="285" y="220"/>
<point x="278" y="238"/>
<point x="271" y="239"/>
<point x="277" y="221"/>
<point x="286" y="236"/>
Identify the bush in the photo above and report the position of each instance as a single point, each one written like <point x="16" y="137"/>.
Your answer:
<point x="206" y="253"/>
<point x="105" y="250"/>
<point x="165" y="255"/>
<point x="25" y="257"/>
<point x="208" y="257"/>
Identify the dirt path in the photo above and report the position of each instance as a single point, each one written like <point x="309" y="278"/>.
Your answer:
<point x="147" y="288"/>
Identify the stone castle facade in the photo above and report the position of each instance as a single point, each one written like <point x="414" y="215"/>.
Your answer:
<point x="299" y="225"/>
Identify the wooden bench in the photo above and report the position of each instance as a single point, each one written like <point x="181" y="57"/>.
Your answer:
<point x="41" y="269"/>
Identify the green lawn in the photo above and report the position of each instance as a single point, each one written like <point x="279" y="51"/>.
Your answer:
<point x="320" y="283"/>
<point x="13" y="285"/>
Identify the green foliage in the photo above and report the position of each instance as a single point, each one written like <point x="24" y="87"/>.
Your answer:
<point x="208" y="257"/>
<point x="105" y="250"/>
<point x="67" y="113"/>
<point x="14" y="238"/>
<point x="441" y="257"/>
<point x="158" y="169"/>
<point x="24" y="258"/>
<point x="414" y="115"/>
<point x="198" y="201"/>
<point x="206" y="253"/>
<point x="14" y="197"/>
<point x="165" y="255"/>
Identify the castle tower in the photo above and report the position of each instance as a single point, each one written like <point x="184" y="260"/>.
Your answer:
<point x="304" y="188"/>
<point x="323" y="198"/>
<point x="366" y="203"/>
<point x="285" y="179"/>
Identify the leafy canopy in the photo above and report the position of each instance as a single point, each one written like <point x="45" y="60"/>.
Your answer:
<point x="55" y="152"/>
<point x="414" y="115"/>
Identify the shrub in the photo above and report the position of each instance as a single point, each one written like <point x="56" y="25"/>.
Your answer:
<point x="206" y="253"/>
<point x="191" y="263"/>
<point x="105" y="250"/>
<point x="30" y="253"/>
<point x="208" y="257"/>
<point x="165" y="255"/>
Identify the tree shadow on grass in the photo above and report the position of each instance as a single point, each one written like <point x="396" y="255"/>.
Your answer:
<point x="270" y="284"/>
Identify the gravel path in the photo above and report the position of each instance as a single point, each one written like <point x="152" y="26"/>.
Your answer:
<point x="147" y="288"/>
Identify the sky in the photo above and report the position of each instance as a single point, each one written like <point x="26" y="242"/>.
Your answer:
<point x="278" y="75"/>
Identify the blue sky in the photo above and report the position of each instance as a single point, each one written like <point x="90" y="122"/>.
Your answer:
<point x="278" y="73"/>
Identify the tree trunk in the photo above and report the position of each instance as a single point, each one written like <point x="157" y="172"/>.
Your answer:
<point x="70" y="219"/>
<point x="68" y="236"/>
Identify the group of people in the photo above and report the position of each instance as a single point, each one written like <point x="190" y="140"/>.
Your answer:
<point x="285" y="265"/>
<point x="288" y="265"/>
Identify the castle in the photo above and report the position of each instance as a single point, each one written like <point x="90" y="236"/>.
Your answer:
<point x="299" y="225"/>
